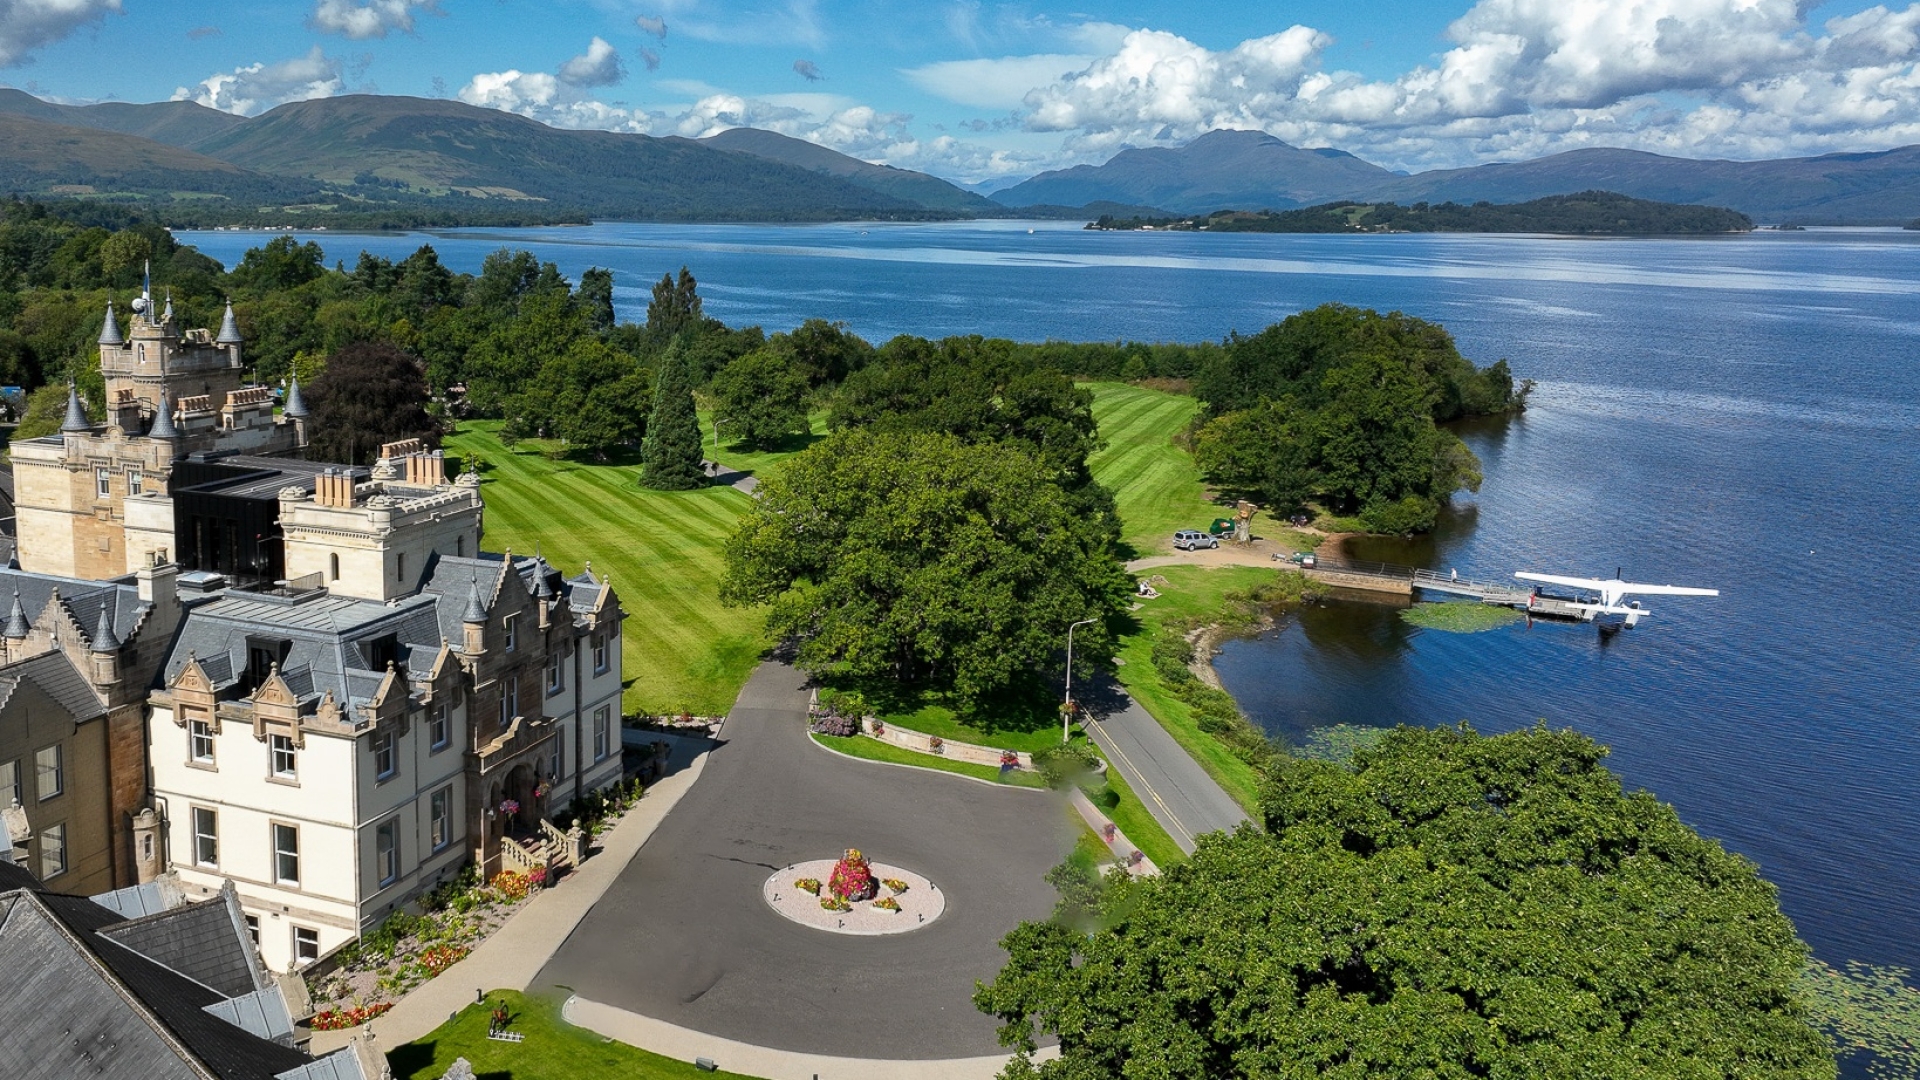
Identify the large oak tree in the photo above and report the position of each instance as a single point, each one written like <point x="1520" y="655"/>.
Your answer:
<point x="918" y="556"/>
<point x="1451" y="906"/>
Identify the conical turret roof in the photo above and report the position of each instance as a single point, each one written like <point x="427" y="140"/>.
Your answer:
<point x="104" y="639"/>
<point x="163" y="420"/>
<point x="167" y="315"/>
<point x="110" y="331"/>
<point x="17" y="619"/>
<point x="476" y="611"/>
<point x="229" y="328"/>
<point x="296" y="406"/>
<point x="76" y="413"/>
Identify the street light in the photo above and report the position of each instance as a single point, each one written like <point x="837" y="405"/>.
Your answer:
<point x="1066" y="710"/>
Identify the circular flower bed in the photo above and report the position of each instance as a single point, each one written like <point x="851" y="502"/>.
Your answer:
<point x="900" y="900"/>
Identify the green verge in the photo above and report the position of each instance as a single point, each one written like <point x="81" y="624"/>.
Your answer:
<point x="662" y="550"/>
<point x="871" y="749"/>
<point x="553" y="1050"/>
<point x="1459" y="617"/>
<point x="1155" y="483"/>
<point x="1189" y="592"/>
<point x="758" y="461"/>
<point x="1140" y="825"/>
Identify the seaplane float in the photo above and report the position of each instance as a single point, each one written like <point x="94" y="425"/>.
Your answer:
<point x="1603" y="601"/>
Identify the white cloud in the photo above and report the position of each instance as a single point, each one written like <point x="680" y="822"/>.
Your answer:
<point x="260" y="86"/>
<point x="1738" y="78"/>
<point x="598" y="66"/>
<point x="546" y="98"/>
<point x="652" y="24"/>
<point x="26" y="25"/>
<point x="364" y="19"/>
<point x="994" y="84"/>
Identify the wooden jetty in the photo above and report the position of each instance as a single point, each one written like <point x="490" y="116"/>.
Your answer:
<point x="1406" y="580"/>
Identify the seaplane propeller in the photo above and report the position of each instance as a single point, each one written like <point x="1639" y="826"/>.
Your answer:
<point x="1613" y="607"/>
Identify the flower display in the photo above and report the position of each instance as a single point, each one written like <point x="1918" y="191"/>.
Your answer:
<point x="894" y="885"/>
<point x="509" y="806"/>
<point x="887" y="903"/>
<point x="1009" y="759"/>
<point x="808" y="884"/>
<point x="439" y="958"/>
<point x="852" y="878"/>
<point x="341" y="1019"/>
<point x="511" y="886"/>
<point x="835" y="903"/>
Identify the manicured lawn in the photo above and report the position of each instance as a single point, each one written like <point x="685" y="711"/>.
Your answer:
<point x="871" y="749"/>
<point x="1155" y="482"/>
<point x="1188" y="591"/>
<point x="757" y="461"/>
<point x="553" y="1050"/>
<point x="682" y="649"/>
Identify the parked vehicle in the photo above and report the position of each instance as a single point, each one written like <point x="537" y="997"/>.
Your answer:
<point x="1193" y="540"/>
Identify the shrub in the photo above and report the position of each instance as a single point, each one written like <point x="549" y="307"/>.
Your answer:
<point x="834" y="724"/>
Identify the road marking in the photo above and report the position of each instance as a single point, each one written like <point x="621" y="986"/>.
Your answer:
<point x="1142" y="778"/>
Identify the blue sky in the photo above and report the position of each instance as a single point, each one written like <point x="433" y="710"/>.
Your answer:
<point x="976" y="90"/>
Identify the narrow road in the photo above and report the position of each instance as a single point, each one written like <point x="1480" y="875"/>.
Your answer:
<point x="1176" y="790"/>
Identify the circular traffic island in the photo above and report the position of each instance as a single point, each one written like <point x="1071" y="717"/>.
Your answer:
<point x="850" y="895"/>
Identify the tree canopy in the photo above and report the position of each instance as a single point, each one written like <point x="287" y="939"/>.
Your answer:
<point x="369" y="394"/>
<point x="1449" y="906"/>
<point x="760" y="399"/>
<point x="1341" y="406"/>
<point x="671" y="453"/>
<point x="921" y="557"/>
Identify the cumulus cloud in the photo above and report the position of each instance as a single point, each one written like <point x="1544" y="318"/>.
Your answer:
<point x="26" y="25"/>
<point x="1742" y="78"/>
<point x="598" y="66"/>
<point x="363" y="19"/>
<point x="546" y="98"/>
<point x="652" y="24"/>
<point x="260" y="86"/>
<point x="807" y="70"/>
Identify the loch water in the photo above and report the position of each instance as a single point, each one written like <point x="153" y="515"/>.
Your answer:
<point x="1740" y="413"/>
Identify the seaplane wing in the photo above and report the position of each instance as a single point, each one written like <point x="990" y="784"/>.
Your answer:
<point x="1613" y="590"/>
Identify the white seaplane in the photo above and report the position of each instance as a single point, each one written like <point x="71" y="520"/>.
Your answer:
<point x="1611" y="612"/>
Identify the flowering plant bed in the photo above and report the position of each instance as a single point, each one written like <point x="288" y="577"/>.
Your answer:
<point x="887" y="903"/>
<point x="834" y="903"/>
<point x="915" y="901"/>
<point x="513" y="886"/>
<point x="894" y="885"/>
<point x="341" y="1019"/>
<point x="808" y="884"/>
<point x="438" y="958"/>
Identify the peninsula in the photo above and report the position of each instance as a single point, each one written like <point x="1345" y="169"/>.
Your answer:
<point x="1586" y="213"/>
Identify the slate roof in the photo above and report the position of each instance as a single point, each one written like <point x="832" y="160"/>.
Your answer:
<point x="56" y="676"/>
<point x="84" y="599"/>
<point x="80" y="1003"/>
<point x="330" y="640"/>
<point x="206" y="942"/>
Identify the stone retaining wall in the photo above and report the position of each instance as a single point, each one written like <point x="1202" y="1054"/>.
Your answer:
<point x="933" y="744"/>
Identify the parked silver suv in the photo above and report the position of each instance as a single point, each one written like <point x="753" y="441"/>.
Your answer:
<point x="1193" y="539"/>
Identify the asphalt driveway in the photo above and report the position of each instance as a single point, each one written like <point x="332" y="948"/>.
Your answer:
<point x="684" y="937"/>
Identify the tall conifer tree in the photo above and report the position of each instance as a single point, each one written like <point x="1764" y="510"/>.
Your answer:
<point x="670" y="456"/>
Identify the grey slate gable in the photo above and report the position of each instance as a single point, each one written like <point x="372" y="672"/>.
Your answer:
<point x="329" y="640"/>
<point x="83" y="598"/>
<point x="204" y="941"/>
<point x="56" y="677"/>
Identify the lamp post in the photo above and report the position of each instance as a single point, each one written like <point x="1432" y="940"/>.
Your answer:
<point x="1066" y="710"/>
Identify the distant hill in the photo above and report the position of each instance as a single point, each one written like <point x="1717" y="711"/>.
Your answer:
<point x="176" y="123"/>
<point x="39" y="158"/>
<point x="1585" y="213"/>
<point x="1247" y="170"/>
<point x="904" y="184"/>
<point x="1833" y="188"/>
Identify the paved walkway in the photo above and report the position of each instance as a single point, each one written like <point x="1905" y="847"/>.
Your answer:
<point x="509" y="959"/>
<point x="1175" y="789"/>
<point x="684" y="938"/>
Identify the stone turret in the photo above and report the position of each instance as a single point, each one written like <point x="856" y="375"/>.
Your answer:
<point x="76" y="420"/>
<point x="110" y="330"/>
<point x="475" y="621"/>
<point x="163" y="427"/>
<point x="229" y="328"/>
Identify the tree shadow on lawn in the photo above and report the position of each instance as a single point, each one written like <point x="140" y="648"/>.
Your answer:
<point x="790" y="443"/>
<point x="1027" y="707"/>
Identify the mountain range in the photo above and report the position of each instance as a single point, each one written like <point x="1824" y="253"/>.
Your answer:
<point x="366" y="151"/>
<point x="1251" y="170"/>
